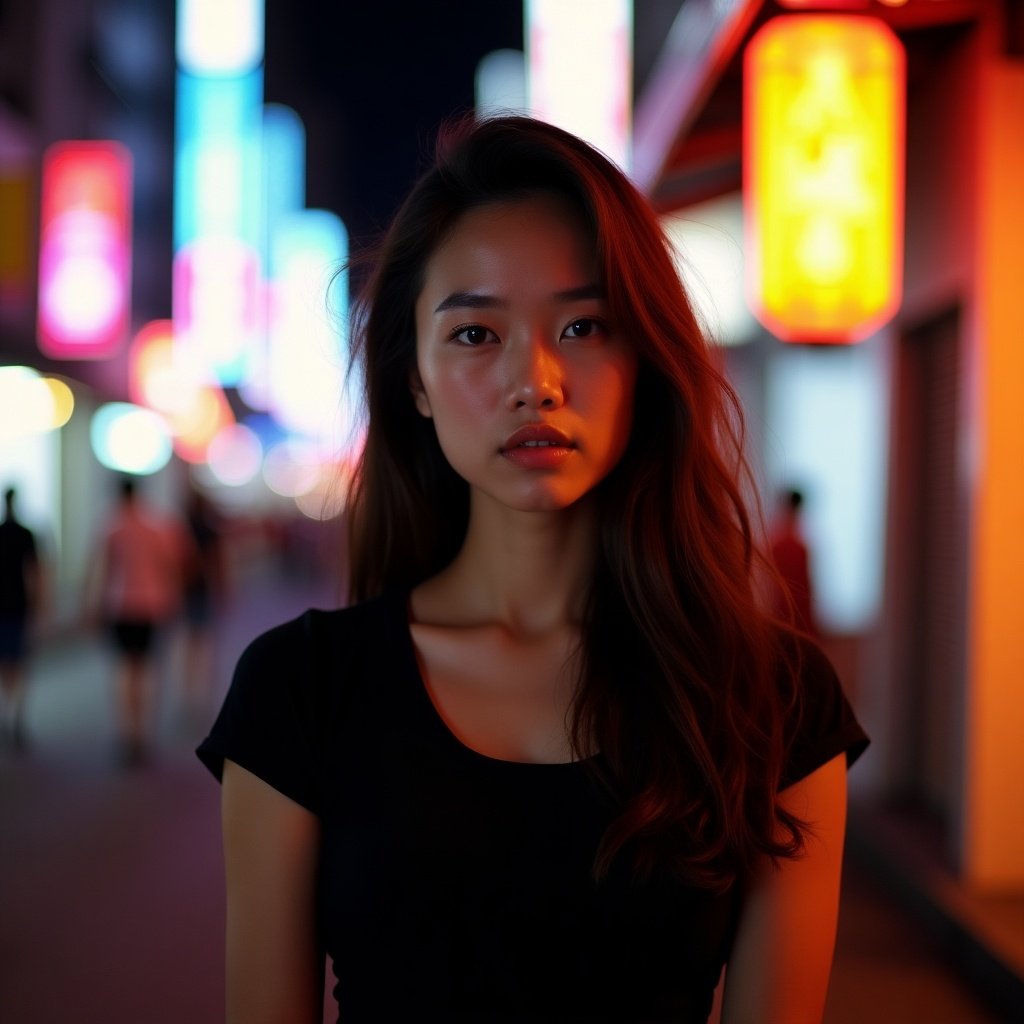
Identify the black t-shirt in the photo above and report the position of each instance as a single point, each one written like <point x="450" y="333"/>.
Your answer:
<point x="454" y="886"/>
<point x="17" y="556"/>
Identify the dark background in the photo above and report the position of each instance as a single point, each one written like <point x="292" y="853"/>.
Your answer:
<point x="372" y="80"/>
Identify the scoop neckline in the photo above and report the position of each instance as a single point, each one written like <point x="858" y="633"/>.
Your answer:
<point x="404" y="611"/>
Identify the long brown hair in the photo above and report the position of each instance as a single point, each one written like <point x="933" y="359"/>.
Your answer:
<point x="685" y="682"/>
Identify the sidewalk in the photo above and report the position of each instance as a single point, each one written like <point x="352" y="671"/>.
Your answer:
<point x="111" y="883"/>
<point x="981" y="936"/>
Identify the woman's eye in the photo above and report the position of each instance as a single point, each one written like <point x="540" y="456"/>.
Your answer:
<point x="585" y="327"/>
<point x="474" y="334"/>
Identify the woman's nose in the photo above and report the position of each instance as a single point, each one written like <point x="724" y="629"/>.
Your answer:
<point x="536" y="379"/>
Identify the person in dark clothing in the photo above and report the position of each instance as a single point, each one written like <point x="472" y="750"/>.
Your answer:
<point x="556" y="761"/>
<point x="20" y="586"/>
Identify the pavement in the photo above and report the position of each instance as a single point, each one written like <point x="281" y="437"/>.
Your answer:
<point x="111" y="880"/>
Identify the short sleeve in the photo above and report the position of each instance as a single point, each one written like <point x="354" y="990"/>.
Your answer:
<point x="826" y="725"/>
<point x="267" y="721"/>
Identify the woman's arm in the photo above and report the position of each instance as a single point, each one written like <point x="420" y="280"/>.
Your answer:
<point x="779" y="968"/>
<point x="274" y="963"/>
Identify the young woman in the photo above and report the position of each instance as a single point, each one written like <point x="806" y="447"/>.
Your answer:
<point x="554" y="762"/>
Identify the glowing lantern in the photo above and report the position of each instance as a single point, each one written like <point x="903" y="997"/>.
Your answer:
<point x="85" y="249"/>
<point x="823" y="165"/>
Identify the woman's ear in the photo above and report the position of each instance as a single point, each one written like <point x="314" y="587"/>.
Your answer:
<point x="419" y="395"/>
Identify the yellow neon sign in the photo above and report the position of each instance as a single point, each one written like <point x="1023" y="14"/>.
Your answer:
<point x="823" y="176"/>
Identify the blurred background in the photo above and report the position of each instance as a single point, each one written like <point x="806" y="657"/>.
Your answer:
<point x="180" y="184"/>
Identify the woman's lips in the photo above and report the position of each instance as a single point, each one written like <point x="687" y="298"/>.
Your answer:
<point x="537" y="446"/>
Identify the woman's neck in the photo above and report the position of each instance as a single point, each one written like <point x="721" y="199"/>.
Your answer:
<point x="528" y="571"/>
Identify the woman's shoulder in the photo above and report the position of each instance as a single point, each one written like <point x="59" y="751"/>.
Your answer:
<point x="290" y="688"/>
<point x="317" y="630"/>
<point x="823" y="722"/>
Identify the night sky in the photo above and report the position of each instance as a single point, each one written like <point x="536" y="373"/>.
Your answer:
<point x="372" y="80"/>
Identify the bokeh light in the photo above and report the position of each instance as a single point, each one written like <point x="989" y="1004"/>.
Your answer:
<point x="129" y="439"/>
<point x="220" y="37"/>
<point x="235" y="455"/>
<point x="63" y="401"/>
<point x="292" y="467"/>
<point x="327" y="499"/>
<point x="27" y="405"/>
<point x="84" y="249"/>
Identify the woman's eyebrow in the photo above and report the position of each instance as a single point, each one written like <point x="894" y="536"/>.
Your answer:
<point x="584" y="291"/>
<point x="477" y="300"/>
<point x="471" y="300"/>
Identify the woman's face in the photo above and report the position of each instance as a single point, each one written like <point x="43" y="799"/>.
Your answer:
<point x="529" y="385"/>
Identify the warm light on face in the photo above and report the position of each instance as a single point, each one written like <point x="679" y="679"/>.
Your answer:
<point x="823" y="176"/>
<point x="513" y="328"/>
<point x="85" y="249"/>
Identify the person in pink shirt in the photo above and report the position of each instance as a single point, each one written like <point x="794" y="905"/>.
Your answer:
<point x="142" y="562"/>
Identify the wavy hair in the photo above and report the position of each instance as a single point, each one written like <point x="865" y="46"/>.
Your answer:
<point x="685" y="681"/>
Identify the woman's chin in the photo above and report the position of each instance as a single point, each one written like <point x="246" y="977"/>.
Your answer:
<point x="538" y="499"/>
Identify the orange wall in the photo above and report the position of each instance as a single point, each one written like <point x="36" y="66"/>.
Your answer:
<point x="993" y="838"/>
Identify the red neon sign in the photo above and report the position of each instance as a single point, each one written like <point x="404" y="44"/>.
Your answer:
<point x="85" y="250"/>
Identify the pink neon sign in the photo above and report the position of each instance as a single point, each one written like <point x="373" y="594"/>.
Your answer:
<point x="85" y="250"/>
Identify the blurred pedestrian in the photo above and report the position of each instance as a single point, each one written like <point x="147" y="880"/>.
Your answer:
<point x="793" y="595"/>
<point x="138" y="582"/>
<point x="20" y="598"/>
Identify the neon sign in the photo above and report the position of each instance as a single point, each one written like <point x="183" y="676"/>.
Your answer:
<point x="85" y="250"/>
<point x="823" y="176"/>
